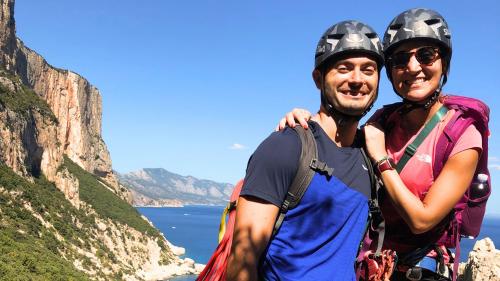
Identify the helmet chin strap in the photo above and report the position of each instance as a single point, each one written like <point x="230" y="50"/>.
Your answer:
<point x="429" y="101"/>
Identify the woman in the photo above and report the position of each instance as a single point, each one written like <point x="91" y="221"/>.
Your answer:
<point x="417" y="48"/>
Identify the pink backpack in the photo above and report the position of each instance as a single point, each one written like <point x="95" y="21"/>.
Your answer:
<point x="467" y="216"/>
<point x="469" y="212"/>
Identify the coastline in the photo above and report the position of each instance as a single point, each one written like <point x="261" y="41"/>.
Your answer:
<point x="177" y="205"/>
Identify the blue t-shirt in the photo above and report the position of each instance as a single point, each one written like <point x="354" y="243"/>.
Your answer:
<point x="318" y="239"/>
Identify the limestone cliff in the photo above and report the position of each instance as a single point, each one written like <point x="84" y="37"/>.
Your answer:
<point x="58" y="193"/>
<point x="73" y="100"/>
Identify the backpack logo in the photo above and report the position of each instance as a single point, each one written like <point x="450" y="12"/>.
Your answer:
<point x="426" y="158"/>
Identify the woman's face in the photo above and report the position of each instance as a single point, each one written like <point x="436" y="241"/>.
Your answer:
<point x="416" y="69"/>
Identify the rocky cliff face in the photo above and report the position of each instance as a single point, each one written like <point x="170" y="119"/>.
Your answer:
<point x="159" y="187"/>
<point x="50" y="129"/>
<point x="73" y="100"/>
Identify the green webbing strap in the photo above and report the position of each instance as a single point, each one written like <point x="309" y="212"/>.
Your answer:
<point x="412" y="147"/>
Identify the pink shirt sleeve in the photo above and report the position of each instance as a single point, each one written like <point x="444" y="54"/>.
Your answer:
<point x="471" y="138"/>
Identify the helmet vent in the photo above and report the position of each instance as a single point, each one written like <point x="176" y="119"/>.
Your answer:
<point x="396" y="26"/>
<point x="335" y="36"/>
<point x="371" y="35"/>
<point x="432" y="21"/>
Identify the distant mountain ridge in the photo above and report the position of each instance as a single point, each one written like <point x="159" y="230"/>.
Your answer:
<point x="159" y="187"/>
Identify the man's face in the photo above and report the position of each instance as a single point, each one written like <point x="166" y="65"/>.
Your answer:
<point x="351" y="84"/>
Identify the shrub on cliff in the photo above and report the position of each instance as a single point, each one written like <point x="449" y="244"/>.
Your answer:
<point x="29" y="250"/>
<point x="106" y="203"/>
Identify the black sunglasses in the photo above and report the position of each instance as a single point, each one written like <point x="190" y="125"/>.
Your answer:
<point x="424" y="55"/>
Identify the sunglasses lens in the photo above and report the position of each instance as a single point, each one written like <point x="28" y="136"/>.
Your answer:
<point x="426" y="55"/>
<point x="400" y="60"/>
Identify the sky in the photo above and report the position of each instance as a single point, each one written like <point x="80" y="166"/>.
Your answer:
<point x="194" y="87"/>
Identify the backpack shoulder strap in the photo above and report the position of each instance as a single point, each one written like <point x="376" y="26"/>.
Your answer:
<point x="468" y="111"/>
<point x="375" y="221"/>
<point x="305" y="172"/>
<point x="451" y="133"/>
<point x="411" y="149"/>
<point x="307" y="164"/>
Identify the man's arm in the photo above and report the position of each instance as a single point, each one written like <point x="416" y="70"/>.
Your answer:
<point x="254" y="225"/>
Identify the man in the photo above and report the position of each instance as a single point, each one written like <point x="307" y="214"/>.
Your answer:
<point x="319" y="238"/>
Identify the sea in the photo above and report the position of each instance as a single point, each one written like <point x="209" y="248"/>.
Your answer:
<point x="196" y="229"/>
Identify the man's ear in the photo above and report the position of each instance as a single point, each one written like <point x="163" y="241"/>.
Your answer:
<point x="317" y="77"/>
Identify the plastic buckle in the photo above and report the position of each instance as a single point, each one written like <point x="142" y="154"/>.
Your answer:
<point x="314" y="164"/>
<point x="321" y="166"/>
<point x="284" y="206"/>
<point x="411" y="150"/>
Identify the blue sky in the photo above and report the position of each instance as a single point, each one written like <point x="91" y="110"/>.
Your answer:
<point x="194" y="87"/>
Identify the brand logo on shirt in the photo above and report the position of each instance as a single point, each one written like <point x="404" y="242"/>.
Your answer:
<point x="424" y="158"/>
<point x="364" y="167"/>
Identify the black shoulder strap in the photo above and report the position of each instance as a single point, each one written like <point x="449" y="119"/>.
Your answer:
<point x="375" y="221"/>
<point x="308" y="164"/>
<point x="308" y="157"/>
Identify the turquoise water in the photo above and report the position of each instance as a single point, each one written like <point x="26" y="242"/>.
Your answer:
<point x="196" y="228"/>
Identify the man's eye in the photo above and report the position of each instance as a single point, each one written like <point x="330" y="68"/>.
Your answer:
<point x="342" y="69"/>
<point x="369" y="70"/>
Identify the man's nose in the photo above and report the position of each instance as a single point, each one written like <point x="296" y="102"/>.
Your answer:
<point x="356" y="78"/>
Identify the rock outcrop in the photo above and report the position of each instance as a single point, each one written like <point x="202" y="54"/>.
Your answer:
<point x="50" y="135"/>
<point x="73" y="100"/>
<point x="28" y="142"/>
<point x="482" y="264"/>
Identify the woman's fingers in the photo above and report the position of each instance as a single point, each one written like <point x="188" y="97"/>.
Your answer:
<point x="281" y="124"/>
<point x="290" y="120"/>
<point x="302" y="116"/>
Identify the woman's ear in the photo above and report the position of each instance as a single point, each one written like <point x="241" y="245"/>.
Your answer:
<point x="317" y="77"/>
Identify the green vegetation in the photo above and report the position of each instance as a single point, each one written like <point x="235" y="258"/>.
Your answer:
<point x="24" y="100"/>
<point x="105" y="202"/>
<point x="25" y="258"/>
<point x="39" y="227"/>
<point x="29" y="250"/>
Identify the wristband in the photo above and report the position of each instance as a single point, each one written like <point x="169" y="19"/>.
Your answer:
<point x="385" y="164"/>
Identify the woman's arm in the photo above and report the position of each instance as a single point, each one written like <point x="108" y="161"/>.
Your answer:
<point x="445" y="192"/>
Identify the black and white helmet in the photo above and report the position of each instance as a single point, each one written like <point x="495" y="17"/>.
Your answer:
<point x="420" y="24"/>
<point x="348" y="37"/>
